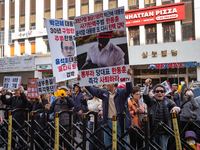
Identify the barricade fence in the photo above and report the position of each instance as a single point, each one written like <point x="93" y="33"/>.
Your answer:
<point x="33" y="134"/>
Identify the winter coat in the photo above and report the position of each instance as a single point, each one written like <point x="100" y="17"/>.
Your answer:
<point x="187" y="112"/>
<point x="120" y="100"/>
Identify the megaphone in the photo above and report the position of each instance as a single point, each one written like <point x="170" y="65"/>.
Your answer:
<point x="61" y="93"/>
<point x="56" y="94"/>
<point x="193" y="146"/>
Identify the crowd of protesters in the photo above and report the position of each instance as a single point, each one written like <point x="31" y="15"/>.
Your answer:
<point x="109" y="100"/>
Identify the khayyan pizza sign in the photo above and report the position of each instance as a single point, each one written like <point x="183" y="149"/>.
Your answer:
<point x="157" y="14"/>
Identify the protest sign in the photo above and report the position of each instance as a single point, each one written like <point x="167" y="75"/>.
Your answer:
<point x="32" y="91"/>
<point x="12" y="82"/>
<point x="61" y="35"/>
<point x="167" y="88"/>
<point x="47" y="85"/>
<point x="101" y="44"/>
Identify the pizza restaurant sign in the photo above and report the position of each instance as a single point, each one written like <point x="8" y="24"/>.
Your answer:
<point x="157" y="14"/>
<point x="174" y="65"/>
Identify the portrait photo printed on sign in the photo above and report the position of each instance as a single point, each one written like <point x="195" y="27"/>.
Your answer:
<point x="61" y="35"/>
<point x="12" y="82"/>
<point x="47" y="85"/>
<point x="101" y="43"/>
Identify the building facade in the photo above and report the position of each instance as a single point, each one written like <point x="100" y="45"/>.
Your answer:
<point x="23" y="35"/>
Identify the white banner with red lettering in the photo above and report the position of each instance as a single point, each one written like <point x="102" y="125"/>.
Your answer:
<point x="101" y="44"/>
<point x="61" y="35"/>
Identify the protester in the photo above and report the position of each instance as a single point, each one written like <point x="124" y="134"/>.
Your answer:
<point x="113" y="104"/>
<point x="135" y="111"/>
<point x="93" y="105"/>
<point x="188" y="105"/>
<point x="160" y="108"/>
<point x="18" y="101"/>
<point x="175" y="94"/>
<point x="41" y="118"/>
<point x="191" y="139"/>
<point x="63" y="102"/>
<point x="78" y="99"/>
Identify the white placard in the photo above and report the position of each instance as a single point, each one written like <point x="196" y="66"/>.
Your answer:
<point x="61" y="35"/>
<point x="12" y="82"/>
<point x="47" y="85"/>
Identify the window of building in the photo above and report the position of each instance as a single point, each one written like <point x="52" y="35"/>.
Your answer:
<point x="133" y="4"/>
<point x="2" y="51"/>
<point x="134" y="36"/>
<point x="2" y="24"/>
<point x="151" y="34"/>
<point x="32" y="47"/>
<point x="169" y="32"/>
<point x="12" y="22"/>
<point x="47" y="45"/>
<point x="22" y="48"/>
<point x="149" y="3"/>
<point x="71" y="9"/>
<point x="84" y="8"/>
<point x="32" y="19"/>
<point x="10" y="41"/>
<point x="113" y="4"/>
<point x="98" y="5"/>
<point x="136" y="71"/>
<point x="164" y="2"/>
<point x="12" y="50"/>
<point x="188" y="22"/>
<point x="59" y="9"/>
<point x="22" y="21"/>
<point x="192" y="70"/>
<point x="1" y="37"/>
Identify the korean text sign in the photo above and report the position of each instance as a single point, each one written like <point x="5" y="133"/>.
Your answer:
<point x="167" y="87"/>
<point x="12" y="82"/>
<point x="101" y="45"/>
<point x="32" y="90"/>
<point x="157" y="14"/>
<point x="61" y="35"/>
<point x="47" y="85"/>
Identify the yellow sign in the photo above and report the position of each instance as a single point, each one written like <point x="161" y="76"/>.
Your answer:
<point x="176" y="132"/>
<point x="114" y="133"/>
<point x="9" y="131"/>
<point x="56" y="144"/>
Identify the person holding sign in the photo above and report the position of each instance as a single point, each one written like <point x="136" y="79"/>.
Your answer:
<point x="63" y="102"/>
<point x="104" y="53"/>
<point x="160" y="108"/>
<point x="18" y="101"/>
<point x="113" y="104"/>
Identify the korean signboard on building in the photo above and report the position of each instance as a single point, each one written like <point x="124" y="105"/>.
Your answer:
<point x="17" y="63"/>
<point x="157" y="14"/>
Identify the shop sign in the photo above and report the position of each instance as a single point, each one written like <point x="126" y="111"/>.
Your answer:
<point x="28" y="34"/>
<point x="44" y="67"/>
<point x="174" y="65"/>
<point x="157" y="14"/>
<point x="17" y="63"/>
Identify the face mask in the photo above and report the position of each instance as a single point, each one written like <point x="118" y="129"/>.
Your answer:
<point x="0" y="94"/>
<point x="7" y="96"/>
<point x="193" y="142"/>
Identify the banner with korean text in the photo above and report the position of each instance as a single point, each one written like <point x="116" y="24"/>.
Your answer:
<point x="47" y="85"/>
<point x="32" y="91"/>
<point x="61" y="35"/>
<point x="12" y="82"/>
<point x="101" y="44"/>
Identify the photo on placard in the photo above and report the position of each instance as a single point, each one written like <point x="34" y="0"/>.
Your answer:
<point x="104" y="49"/>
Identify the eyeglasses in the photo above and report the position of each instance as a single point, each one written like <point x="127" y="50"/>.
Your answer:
<point x="161" y="91"/>
<point x="70" y="48"/>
